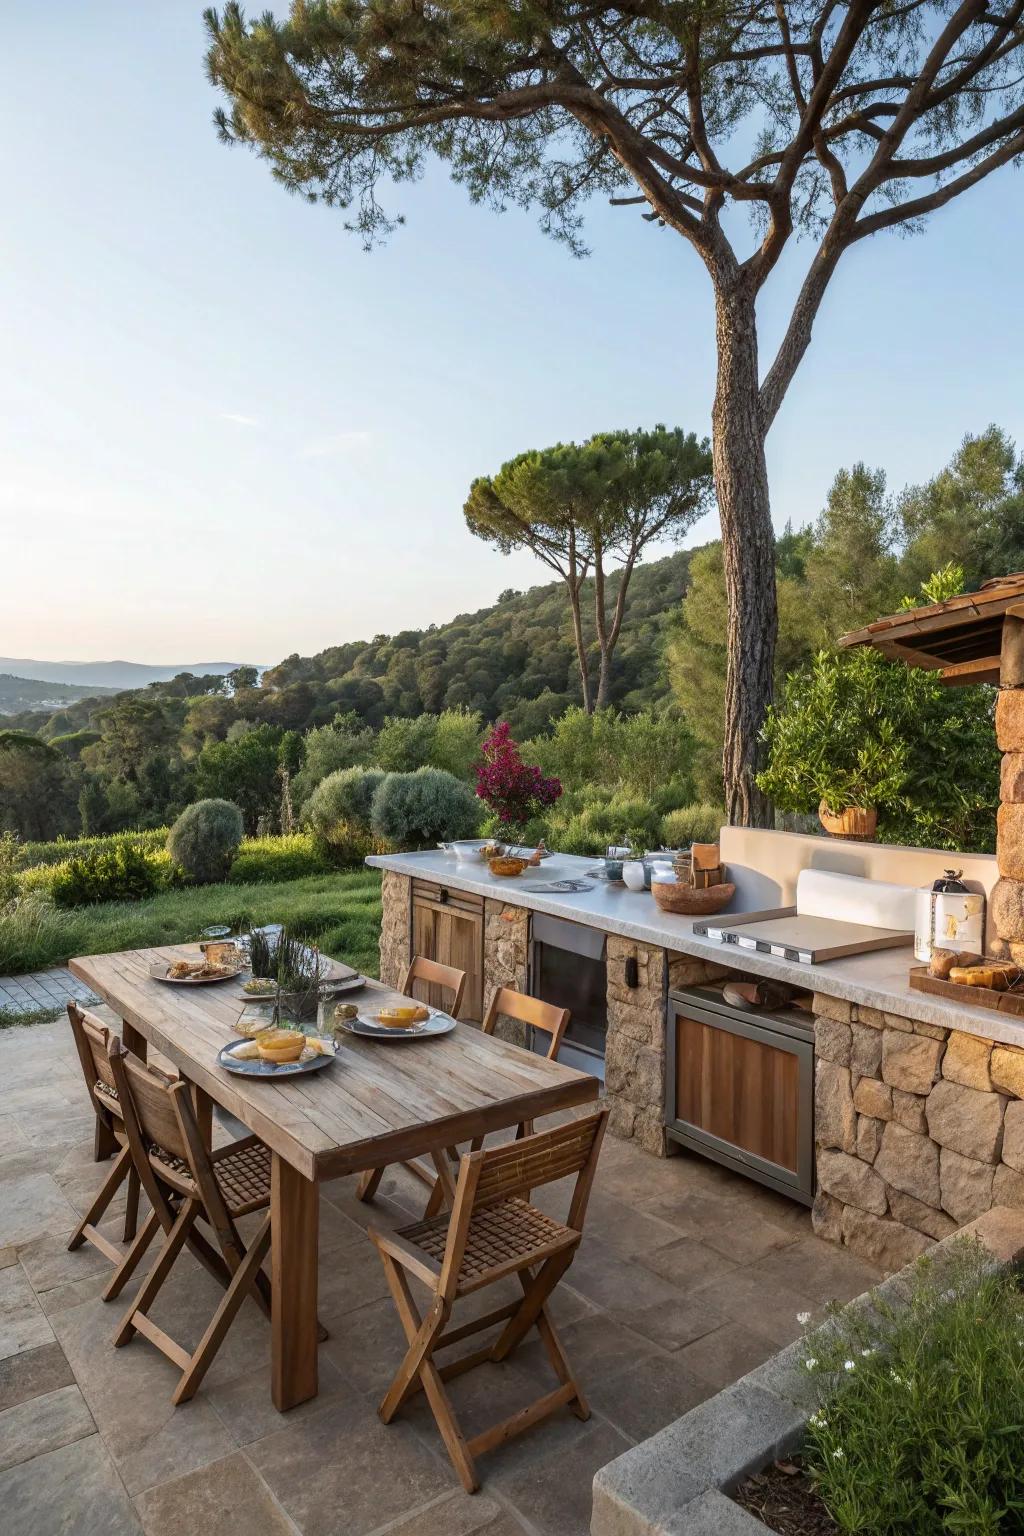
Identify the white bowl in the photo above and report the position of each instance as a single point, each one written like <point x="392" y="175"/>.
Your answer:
<point x="467" y="850"/>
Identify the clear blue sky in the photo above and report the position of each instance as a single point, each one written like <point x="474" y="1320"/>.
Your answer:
<point x="226" y="432"/>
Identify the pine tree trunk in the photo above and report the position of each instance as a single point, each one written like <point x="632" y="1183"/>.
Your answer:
<point x="601" y="626"/>
<point x="748" y="547"/>
<point x="581" y="646"/>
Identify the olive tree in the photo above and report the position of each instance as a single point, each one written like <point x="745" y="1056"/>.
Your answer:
<point x="840" y="121"/>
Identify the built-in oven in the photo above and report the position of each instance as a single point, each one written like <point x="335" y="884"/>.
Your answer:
<point x="739" y="1087"/>
<point x="568" y="968"/>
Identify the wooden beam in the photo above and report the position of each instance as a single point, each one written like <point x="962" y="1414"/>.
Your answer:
<point x="1011" y="655"/>
<point x="984" y="669"/>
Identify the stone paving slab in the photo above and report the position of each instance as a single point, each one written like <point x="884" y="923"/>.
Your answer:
<point x="649" y="1343"/>
<point x="43" y="989"/>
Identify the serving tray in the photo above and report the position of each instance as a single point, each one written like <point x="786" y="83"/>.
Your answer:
<point x="981" y="997"/>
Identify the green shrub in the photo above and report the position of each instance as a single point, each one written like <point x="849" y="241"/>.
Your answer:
<point x="692" y="824"/>
<point x="289" y="857"/>
<point x="920" y="1407"/>
<point x="9" y="855"/>
<point x="342" y="909"/>
<point x="414" y="809"/>
<point x="638" y="753"/>
<point x="205" y="839"/>
<point x="124" y="873"/>
<point x="65" y="848"/>
<point x="339" y="808"/>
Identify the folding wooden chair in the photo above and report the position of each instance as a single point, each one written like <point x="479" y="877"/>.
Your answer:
<point x="92" y="1039"/>
<point x="492" y="1232"/>
<point x="184" y="1181"/>
<point x="426" y="973"/>
<point x="550" y="1020"/>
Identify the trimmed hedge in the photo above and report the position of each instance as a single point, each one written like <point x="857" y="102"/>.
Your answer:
<point x="291" y="857"/>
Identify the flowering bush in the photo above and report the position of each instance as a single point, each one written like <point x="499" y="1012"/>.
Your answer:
<point x="918" y="1428"/>
<point x="515" y="791"/>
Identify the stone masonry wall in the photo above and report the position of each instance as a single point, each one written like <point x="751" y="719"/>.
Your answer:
<point x="506" y="954"/>
<point x="396" y="893"/>
<point x="918" y="1130"/>
<point x="635" y="1051"/>
<point x="1007" y="900"/>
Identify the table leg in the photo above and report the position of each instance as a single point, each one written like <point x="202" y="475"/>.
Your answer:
<point x="133" y="1041"/>
<point x="295" y="1221"/>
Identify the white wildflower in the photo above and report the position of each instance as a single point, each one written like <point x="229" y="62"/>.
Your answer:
<point x="810" y="1362"/>
<point x="848" y="1365"/>
<point x="838" y="1454"/>
<point x="867" y="1353"/>
<point x="803" y="1318"/>
<point x="897" y="1379"/>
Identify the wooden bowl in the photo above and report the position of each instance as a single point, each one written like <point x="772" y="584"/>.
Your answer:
<point x="506" y="866"/>
<point x="688" y="902"/>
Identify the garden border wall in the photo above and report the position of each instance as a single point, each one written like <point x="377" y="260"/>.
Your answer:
<point x="677" y="1483"/>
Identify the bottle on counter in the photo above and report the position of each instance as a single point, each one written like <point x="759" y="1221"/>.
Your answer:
<point x="949" y="916"/>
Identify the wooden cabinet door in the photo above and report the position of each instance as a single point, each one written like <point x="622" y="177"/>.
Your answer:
<point x="448" y="926"/>
<point x="744" y="1093"/>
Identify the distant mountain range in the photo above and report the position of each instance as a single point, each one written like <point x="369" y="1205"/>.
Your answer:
<point x="105" y="675"/>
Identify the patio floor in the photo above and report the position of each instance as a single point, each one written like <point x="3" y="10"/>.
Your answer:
<point x="687" y="1278"/>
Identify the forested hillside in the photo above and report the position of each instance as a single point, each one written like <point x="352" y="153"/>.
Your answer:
<point x="424" y="696"/>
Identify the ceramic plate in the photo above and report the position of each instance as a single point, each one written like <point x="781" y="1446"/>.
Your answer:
<point x="260" y="1068"/>
<point x="438" y="1024"/>
<point x="159" y="973"/>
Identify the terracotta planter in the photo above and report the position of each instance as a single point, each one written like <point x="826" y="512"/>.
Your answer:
<point x="855" y="822"/>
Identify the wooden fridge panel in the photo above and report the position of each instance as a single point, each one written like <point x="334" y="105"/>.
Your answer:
<point x="452" y="936"/>
<point x="744" y="1091"/>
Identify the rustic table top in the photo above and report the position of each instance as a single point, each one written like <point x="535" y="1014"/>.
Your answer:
<point x="381" y="1102"/>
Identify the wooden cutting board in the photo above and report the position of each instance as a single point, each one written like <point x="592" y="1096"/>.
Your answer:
<point x="980" y="997"/>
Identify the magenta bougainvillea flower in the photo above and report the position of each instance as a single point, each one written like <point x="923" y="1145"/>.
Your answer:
<point x="514" y="790"/>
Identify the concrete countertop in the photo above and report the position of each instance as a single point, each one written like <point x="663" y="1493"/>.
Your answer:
<point x="877" y="980"/>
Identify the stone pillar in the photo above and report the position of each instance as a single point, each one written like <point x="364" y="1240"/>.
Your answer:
<point x="506" y="955"/>
<point x="634" y="1066"/>
<point x="1007" y="912"/>
<point x="396" y="898"/>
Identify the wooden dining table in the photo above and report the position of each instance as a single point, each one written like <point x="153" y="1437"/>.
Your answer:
<point x="379" y="1102"/>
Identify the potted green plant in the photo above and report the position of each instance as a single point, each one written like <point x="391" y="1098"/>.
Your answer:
<point x="839" y="741"/>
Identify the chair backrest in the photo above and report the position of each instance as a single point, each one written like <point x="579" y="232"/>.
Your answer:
<point x="515" y="1168"/>
<point x="91" y="1038"/>
<point x="148" y="1104"/>
<point x="433" y="973"/>
<point x="547" y="1017"/>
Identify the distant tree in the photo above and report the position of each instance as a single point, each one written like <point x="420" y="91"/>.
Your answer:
<point x="243" y="677"/>
<point x="579" y="506"/>
<point x="37" y="788"/>
<point x="971" y="513"/>
<point x="291" y="754"/>
<point x="243" y="771"/>
<point x="132" y="730"/>
<point x="838" y="121"/>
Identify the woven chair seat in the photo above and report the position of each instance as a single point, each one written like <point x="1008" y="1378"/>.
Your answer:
<point x="499" y="1234"/>
<point x="242" y="1170"/>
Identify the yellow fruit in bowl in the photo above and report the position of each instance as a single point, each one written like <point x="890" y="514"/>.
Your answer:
<point x="280" y="1045"/>
<point x="400" y="1018"/>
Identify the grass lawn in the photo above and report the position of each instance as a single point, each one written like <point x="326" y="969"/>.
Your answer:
<point x="339" y="912"/>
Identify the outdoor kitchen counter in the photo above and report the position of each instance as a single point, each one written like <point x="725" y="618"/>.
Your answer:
<point x="877" y="980"/>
